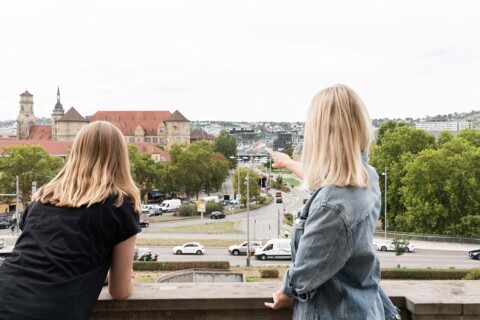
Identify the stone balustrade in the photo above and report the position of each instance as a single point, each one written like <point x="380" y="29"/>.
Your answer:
<point x="418" y="300"/>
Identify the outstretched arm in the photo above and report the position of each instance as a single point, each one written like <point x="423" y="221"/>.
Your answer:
<point x="283" y="161"/>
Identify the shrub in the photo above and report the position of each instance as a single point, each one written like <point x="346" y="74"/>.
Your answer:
<point x="213" y="206"/>
<point x="186" y="210"/>
<point x="179" y="265"/>
<point x="288" y="218"/>
<point x="472" y="275"/>
<point x="269" y="273"/>
<point x="261" y="199"/>
<point x="423" y="274"/>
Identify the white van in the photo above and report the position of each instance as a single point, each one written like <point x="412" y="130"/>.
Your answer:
<point x="211" y="199"/>
<point x="170" y="205"/>
<point x="275" y="249"/>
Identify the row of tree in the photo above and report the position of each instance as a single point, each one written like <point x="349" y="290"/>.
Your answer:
<point x="192" y="168"/>
<point x="433" y="185"/>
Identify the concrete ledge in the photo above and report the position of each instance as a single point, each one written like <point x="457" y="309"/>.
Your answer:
<point x="419" y="300"/>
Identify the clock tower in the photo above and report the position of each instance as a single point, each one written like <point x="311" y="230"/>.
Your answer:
<point x="26" y="117"/>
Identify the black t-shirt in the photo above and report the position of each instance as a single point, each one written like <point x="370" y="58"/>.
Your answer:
<point x="60" y="261"/>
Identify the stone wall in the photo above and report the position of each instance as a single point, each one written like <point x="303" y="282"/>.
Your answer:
<point x="418" y="300"/>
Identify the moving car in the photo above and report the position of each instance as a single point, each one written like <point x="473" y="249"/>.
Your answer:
<point x="242" y="248"/>
<point x="275" y="249"/>
<point x="474" y="254"/>
<point x="189" y="247"/>
<point x="278" y="197"/>
<point x="144" y="224"/>
<point x="4" y="224"/>
<point x="390" y="246"/>
<point x="217" y="215"/>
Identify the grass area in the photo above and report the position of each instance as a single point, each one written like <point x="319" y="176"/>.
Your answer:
<point x="164" y="218"/>
<point x="292" y="181"/>
<point x="211" y="227"/>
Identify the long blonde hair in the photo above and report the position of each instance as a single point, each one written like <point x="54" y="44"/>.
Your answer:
<point x="337" y="130"/>
<point x="97" y="167"/>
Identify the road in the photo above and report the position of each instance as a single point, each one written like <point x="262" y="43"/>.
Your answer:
<point x="421" y="258"/>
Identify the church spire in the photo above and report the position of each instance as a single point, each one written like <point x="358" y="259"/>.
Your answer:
<point x="58" y="105"/>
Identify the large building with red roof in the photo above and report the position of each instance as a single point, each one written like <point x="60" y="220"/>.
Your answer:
<point x="142" y="128"/>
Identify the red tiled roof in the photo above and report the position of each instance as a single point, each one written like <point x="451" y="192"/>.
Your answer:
<point x="38" y="132"/>
<point x="127" y="121"/>
<point x="151" y="149"/>
<point x="177" y="116"/>
<point x="53" y="148"/>
<point x="72" y="115"/>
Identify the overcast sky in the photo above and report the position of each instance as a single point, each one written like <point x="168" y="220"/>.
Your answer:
<point x="240" y="60"/>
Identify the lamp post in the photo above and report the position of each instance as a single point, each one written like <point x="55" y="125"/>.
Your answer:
<point x="385" y="207"/>
<point x="248" y="218"/>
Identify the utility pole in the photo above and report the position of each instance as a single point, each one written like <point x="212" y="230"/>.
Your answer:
<point x="248" y="218"/>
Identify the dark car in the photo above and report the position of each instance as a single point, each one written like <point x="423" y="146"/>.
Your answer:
<point x="217" y="215"/>
<point x="144" y="224"/>
<point x="474" y="254"/>
<point x="279" y="200"/>
<point x="4" y="224"/>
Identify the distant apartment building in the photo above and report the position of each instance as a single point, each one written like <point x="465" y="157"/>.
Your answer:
<point x="436" y="126"/>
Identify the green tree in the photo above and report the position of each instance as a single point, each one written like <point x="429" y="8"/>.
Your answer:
<point x="226" y="144"/>
<point x="288" y="150"/>
<point x="471" y="135"/>
<point x="254" y="190"/>
<point x="441" y="189"/>
<point x="444" y="137"/>
<point x="146" y="173"/>
<point x="398" y="146"/>
<point x="195" y="166"/>
<point x="29" y="163"/>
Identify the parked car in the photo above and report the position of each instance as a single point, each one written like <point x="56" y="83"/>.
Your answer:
<point x="242" y="248"/>
<point x="217" y="215"/>
<point x="390" y="246"/>
<point x="144" y="224"/>
<point x="233" y="202"/>
<point x="474" y="254"/>
<point x="4" y="224"/>
<point x="279" y="200"/>
<point x="189" y="247"/>
<point x="154" y="212"/>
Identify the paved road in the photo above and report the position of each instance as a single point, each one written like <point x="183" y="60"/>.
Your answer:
<point x="421" y="258"/>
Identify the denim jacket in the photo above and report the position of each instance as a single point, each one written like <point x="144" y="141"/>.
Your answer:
<point x="335" y="272"/>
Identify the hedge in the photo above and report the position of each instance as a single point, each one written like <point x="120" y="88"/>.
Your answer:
<point x="179" y="265"/>
<point x="269" y="273"/>
<point x="423" y="274"/>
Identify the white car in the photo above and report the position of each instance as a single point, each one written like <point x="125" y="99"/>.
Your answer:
<point x="189" y="247"/>
<point x="390" y="246"/>
<point x="242" y="248"/>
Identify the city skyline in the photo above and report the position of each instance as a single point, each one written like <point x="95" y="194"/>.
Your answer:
<point x="240" y="62"/>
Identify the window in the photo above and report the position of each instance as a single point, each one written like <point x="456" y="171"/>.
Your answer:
<point x="68" y="131"/>
<point x="147" y="139"/>
<point x="154" y="139"/>
<point x="132" y="139"/>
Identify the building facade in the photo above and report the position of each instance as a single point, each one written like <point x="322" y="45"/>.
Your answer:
<point x="155" y="127"/>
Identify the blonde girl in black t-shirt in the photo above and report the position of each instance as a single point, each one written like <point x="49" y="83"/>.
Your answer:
<point x="79" y="226"/>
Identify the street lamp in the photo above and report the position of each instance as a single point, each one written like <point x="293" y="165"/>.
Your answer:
<point x="385" y="217"/>
<point x="248" y="218"/>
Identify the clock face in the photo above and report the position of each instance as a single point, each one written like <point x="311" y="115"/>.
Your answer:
<point x="31" y="117"/>
<point x="22" y="117"/>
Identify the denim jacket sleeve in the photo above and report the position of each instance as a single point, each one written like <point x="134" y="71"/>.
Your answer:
<point x="391" y="312"/>
<point x="322" y="251"/>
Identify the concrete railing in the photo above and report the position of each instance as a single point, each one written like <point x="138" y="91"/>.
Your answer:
<point x="419" y="300"/>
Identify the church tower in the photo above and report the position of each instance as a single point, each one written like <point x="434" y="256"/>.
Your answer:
<point x="57" y="114"/>
<point x="26" y="117"/>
